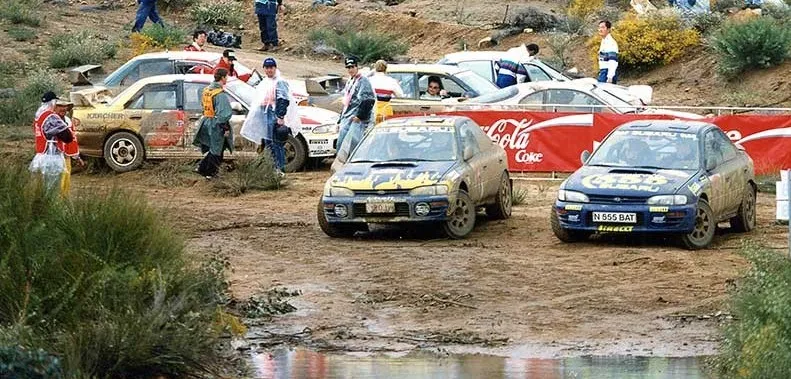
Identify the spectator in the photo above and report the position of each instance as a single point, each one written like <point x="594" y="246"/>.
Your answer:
<point x="146" y="9"/>
<point x="608" y="55"/>
<point x="510" y="69"/>
<point x="214" y="134"/>
<point x="532" y="50"/>
<point x="266" y="10"/>
<point x="385" y="89"/>
<point x="198" y="40"/>
<point x="358" y="101"/>
<point x="53" y="126"/>
<point x="434" y="90"/>
<point x="226" y="63"/>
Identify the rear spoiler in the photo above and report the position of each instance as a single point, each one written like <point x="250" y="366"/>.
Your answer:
<point x="81" y="75"/>
<point x="325" y="85"/>
<point x="89" y="97"/>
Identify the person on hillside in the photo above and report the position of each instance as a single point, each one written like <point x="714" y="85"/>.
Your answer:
<point x="52" y="126"/>
<point x="273" y="116"/>
<point x="214" y="134"/>
<point x="198" y="40"/>
<point x="358" y="101"/>
<point x="226" y="63"/>
<point x="266" y="11"/>
<point x="146" y="9"/>
<point x="385" y="89"/>
<point x="608" y="55"/>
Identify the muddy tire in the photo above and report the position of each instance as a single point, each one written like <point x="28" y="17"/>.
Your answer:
<point x="705" y="226"/>
<point x="296" y="154"/>
<point x="336" y="230"/>
<point x="745" y="219"/>
<point x="566" y="235"/>
<point x="461" y="222"/>
<point x="124" y="152"/>
<point x="501" y="209"/>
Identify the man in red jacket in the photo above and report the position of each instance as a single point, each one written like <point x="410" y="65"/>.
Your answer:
<point x="226" y="62"/>
<point x="198" y="40"/>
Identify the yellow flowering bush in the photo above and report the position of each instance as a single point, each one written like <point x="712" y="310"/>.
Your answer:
<point x="584" y="8"/>
<point x="142" y="43"/>
<point x="652" y="40"/>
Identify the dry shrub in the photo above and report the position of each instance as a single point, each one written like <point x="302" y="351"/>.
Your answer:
<point x="584" y="8"/>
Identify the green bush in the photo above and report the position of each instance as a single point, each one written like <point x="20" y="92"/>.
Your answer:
<point x="21" y="34"/>
<point x="707" y="22"/>
<point x="218" y="13"/>
<point x="20" y="12"/>
<point x="102" y="284"/>
<point x="259" y="174"/>
<point x="21" y="108"/>
<point x="367" y="46"/>
<point x="176" y="4"/>
<point x="758" y="43"/>
<point x="164" y="36"/>
<point x="78" y="48"/>
<point x="756" y="343"/>
<point x="18" y="362"/>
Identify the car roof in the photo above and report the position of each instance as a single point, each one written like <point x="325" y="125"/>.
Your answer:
<point x="681" y="126"/>
<point x="425" y="68"/>
<point x="463" y="56"/>
<point x="423" y="121"/>
<point x="192" y="55"/>
<point x="191" y="78"/>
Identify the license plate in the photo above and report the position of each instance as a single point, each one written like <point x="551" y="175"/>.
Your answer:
<point x="626" y="218"/>
<point x="380" y="207"/>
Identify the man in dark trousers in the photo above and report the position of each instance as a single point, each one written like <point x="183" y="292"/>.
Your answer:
<point x="214" y="130"/>
<point x="266" y="10"/>
<point x="146" y="9"/>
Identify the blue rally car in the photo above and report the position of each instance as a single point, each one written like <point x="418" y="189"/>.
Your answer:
<point x="678" y="177"/>
<point x="418" y="170"/>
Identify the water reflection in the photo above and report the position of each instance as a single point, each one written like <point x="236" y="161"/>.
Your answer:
<point x="306" y="364"/>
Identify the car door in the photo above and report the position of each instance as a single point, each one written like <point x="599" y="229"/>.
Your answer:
<point x="476" y="163"/>
<point x="536" y="74"/>
<point x="193" y="108"/>
<point x="734" y="171"/>
<point x="716" y="171"/>
<point x="493" y="162"/>
<point x="155" y="111"/>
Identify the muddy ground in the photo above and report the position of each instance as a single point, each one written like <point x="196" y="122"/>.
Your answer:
<point x="510" y="288"/>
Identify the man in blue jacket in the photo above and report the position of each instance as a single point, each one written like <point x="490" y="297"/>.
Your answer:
<point x="147" y="9"/>
<point x="266" y="10"/>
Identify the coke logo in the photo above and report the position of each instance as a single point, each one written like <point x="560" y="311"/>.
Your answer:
<point x="516" y="139"/>
<point x="528" y="157"/>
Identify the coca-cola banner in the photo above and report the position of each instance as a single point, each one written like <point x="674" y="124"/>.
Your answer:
<point x="547" y="141"/>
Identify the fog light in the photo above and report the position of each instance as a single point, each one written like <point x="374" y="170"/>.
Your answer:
<point x="341" y="211"/>
<point x="422" y="209"/>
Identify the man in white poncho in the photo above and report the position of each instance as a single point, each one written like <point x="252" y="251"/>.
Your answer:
<point x="273" y="115"/>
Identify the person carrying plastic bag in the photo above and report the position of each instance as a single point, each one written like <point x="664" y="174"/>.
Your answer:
<point x="55" y="143"/>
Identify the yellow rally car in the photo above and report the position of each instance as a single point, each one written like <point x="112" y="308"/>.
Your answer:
<point x="156" y="118"/>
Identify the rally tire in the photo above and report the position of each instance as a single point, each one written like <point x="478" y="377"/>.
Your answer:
<point x="744" y="221"/>
<point x="566" y="235"/>
<point x="296" y="154"/>
<point x="461" y="222"/>
<point x="705" y="227"/>
<point x="501" y="209"/>
<point x="336" y="230"/>
<point x="124" y="152"/>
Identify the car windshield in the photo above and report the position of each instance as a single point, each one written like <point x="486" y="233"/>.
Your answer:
<point x="621" y="105"/>
<point x="496" y="96"/>
<point x="242" y="90"/>
<point x="115" y="76"/>
<point x="480" y="85"/>
<point x="648" y="149"/>
<point x="407" y="143"/>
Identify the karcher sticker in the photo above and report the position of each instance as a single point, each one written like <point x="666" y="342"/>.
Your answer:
<point x="634" y="182"/>
<point x="616" y="228"/>
<point x="658" y="209"/>
<point x="573" y="207"/>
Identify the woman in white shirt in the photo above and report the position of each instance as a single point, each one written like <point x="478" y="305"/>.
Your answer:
<point x="385" y="88"/>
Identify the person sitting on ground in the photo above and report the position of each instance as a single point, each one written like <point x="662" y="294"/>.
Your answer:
<point x="198" y="40"/>
<point x="434" y="91"/>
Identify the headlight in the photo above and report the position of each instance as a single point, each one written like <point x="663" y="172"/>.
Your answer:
<point x="330" y="191"/>
<point x="429" y="190"/>
<point x="323" y="129"/>
<point x="573" y="196"/>
<point x="667" y="200"/>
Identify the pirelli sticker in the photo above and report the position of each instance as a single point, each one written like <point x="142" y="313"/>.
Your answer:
<point x="616" y="228"/>
<point x="658" y="209"/>
<point x="573" y="207"/>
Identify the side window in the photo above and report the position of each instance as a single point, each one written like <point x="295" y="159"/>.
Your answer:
<point x="536" y="74"/>
<point x="713" y="153"/>
<point x="155" y="96"/>
<point x="407" y="83"/>
<point x="581" y="102"/>
<point x="536" y="98"/>
<point x="482" y="68"/>
<point x="192" y="97"/>
<point x="484" y="142"/>
<point x="449" y="85"/>
<point x="728" y="150"/>
<point x="153" y="68"/>
<point x="468" y="137"/>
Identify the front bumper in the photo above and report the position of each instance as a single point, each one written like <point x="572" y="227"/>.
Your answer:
<point x="322" y="145"/>
<point x="404" y="206"/>
<point x="649" y="218"/>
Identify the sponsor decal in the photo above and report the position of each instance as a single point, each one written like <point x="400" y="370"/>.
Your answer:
<point x="634" y="182"/>
<point x="106" y="116"/>
<point x="695" y="188"/>
<point x="573" y="207"/>
<point x="658" y="220"/>
<point x="658" y="209"/>
<point x="319" y="142"/>
<point x="574" y="218"/>
<point x="616" y="228"/>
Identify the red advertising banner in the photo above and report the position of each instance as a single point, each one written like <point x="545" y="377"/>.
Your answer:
<point x="546" y="141"/>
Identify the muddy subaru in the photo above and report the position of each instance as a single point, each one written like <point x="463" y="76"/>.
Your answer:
<point x="418" y="170"/>
<point x="676" y="177"/>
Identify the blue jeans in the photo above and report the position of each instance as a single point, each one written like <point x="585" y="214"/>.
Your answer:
<point x="267" y="25"/>
<point x="603" y="76"/>
<point x="278" y="148"/>
<point x="147" y="9"/>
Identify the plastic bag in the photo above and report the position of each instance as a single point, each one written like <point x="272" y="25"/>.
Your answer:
<point x="50" y="163"/>
<point x="350" y="141"/>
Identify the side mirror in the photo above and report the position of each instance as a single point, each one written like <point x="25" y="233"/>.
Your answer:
<point x="467" y="153"/>
<point x="237" y="106"/>
<point x="584" y="156"/>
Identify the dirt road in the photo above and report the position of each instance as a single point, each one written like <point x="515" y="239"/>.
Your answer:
<point x="510" y="286"/>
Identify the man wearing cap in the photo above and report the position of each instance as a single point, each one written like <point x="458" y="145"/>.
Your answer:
<point x="226" y="62"/>
<point x="267" y="122"/>
<point x="51" y="126"/>
<point x="358" y="101"/>
<point x="214" y="134"/>
<point x="266" y="10"/>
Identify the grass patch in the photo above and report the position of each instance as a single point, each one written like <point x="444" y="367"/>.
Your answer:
<point x="173" y="172"/>
<point x="155" y="36"/>
<point x="218" y="13"/>
<point x="20" y="12"/>
<point x="754" y="44"/>
<point x="367" y="46"/>
<point x="79" y="48"/>
<point x="101" y="283"/>
<point x="19" y="109"/>
<point x="16" y="133"/>
<point x="756" y="342"/>
<point x="21" y="33"/>
<point x="519" y="195"/>
<point x="766" y="182"/>
<point x="258" y="174"/>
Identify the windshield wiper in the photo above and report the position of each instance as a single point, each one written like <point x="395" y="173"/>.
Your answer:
<point x="651" y="167"/>
<point x="409" y="159"/>
<point x="364" y="161"/>
<point x="605" y="165"/>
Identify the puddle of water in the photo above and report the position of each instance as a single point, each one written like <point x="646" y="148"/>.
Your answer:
<point x="303" y="363"/>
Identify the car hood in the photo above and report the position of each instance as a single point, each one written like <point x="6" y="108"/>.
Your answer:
<point x="390" y="175"/>
<point x="627" y="182"/>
